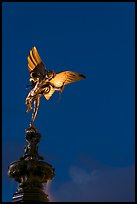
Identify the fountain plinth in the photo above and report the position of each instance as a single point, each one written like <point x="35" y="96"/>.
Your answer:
<point x="31" y="172"/>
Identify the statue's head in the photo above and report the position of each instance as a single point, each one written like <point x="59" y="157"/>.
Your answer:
<point x="51" y="74"/>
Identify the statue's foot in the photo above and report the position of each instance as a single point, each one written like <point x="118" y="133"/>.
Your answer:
<point x="33" y="126"/>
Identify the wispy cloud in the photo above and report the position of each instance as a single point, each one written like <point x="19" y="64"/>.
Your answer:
<point x="81" y="176"/>
<point x="113" y="184"/>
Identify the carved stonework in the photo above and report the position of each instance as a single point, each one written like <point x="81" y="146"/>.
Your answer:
<point x="30" y="171"/>
<point x="31" y="148"/>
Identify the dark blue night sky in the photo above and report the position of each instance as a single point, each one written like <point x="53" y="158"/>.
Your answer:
<point x="88" y="135"/>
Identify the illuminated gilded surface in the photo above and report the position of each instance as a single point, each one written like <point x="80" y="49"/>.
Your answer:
<point x="45" y="82"/>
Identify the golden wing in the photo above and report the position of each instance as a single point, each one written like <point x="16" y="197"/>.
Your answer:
<point x="63" y="78"/>
<point x="66" y="77"/>
<point x="35" y="65"/>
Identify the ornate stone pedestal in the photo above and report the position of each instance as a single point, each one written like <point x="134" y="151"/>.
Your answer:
<point x="31" y="172"/>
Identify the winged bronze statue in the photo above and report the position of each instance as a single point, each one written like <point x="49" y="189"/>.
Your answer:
<point x="45" y="82"/>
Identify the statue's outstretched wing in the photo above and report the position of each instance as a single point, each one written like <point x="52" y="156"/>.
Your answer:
<point x="35" y="65"/>
<point x="63" y="78"/>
